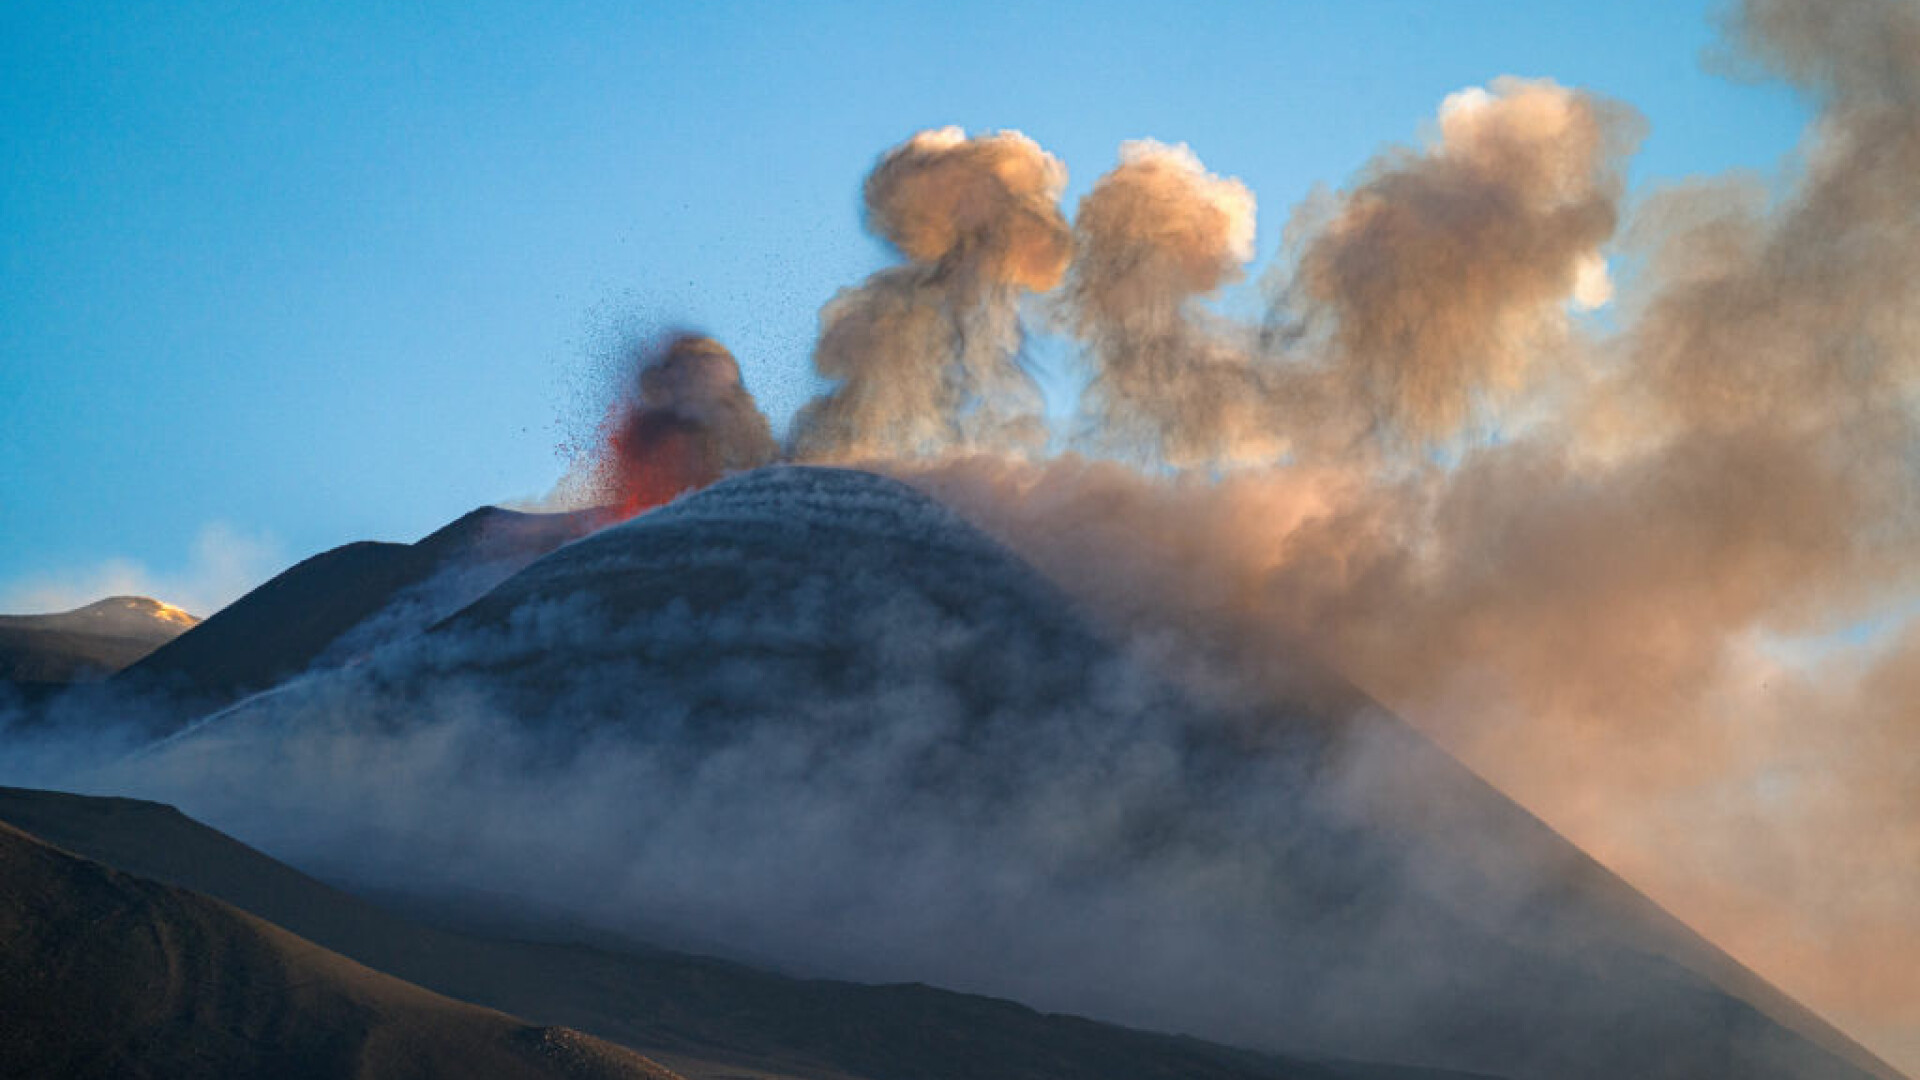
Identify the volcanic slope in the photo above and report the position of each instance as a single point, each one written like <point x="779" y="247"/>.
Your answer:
<point x="104" y="974"/>
<point x="814" y="715"/>
<point x="336" y="604"/>
<point x="704" y="1017"/>
<point x="89" y="642"/>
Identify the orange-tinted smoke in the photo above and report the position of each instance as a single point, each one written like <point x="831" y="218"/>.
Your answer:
<point x="688" y="421"/>
<point x="990" y="201"/>
<point x="1437" y="284"/>
<point x="925" y="355"/>
<point x="1154" y="235"/>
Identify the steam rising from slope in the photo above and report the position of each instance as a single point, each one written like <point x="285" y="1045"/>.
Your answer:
<point x="926" y="354"/>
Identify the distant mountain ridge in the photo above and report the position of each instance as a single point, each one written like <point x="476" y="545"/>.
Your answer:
<point x="87" y="643"/>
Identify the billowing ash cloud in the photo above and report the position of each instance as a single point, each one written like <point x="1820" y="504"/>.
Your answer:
<point x="1413" y="304"/>
<point x="1154" y="235"/>
<point x="926" y="354"/>
<point x="1803" y="316"/>
<point x="1440" y="279"/>
<point x="685" y="422"/>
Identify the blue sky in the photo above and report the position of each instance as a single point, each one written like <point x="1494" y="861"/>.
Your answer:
<point x="278" y="277"/>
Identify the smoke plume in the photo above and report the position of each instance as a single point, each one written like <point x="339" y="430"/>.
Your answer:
<point x="1156" y="233"/>
<point x="1433" y="288"/>
<point x="1423" y="299"/>
<point x="685" y="421"/>
<point x="926" y="354"/>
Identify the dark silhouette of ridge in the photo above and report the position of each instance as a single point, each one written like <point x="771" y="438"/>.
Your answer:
<point x="293" y="621"/>
<point x="108" y="974"/>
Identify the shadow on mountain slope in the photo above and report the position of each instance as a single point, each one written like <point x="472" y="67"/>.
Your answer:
<point x="106" y="974"/>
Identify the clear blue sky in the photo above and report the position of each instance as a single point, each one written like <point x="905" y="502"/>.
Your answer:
<point x="277" y="277"/>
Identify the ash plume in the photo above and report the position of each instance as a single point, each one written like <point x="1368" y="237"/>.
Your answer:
<point x="685" y="421"/>
<point x="1433" y="287"/>
<point x="926" y="354"/>
<point x="1153" y="236"/>
<point x="1802" y="316"/>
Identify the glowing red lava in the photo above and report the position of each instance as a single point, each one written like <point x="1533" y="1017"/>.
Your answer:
<point x="653" y="456"/>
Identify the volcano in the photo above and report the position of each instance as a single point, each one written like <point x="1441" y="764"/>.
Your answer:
<point x="814" y="715"/>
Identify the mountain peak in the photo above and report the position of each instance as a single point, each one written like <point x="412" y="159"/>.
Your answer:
<point x="140" y="607"/>
<point x="87" y="642"/>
